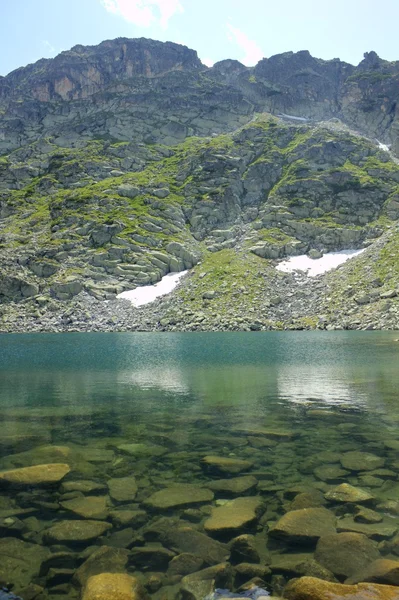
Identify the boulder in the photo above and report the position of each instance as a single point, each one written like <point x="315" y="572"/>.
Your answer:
<point x="142" y="450"/>
<point x="348" y="494"/>
<point x="103" y="559"/>
<point x="220" y="465"/>
<point x="311" y="588"/>
<point x="243" y="549"/>
<point x="122" y="489"/>
<point x="376" y="531"/>
<point x="202" y="583"/>
<point x="20" y="561"/>
<point x="79" y="531"/>
<point x="361" y="461"/>
<point x="87" y="507"/>
<point x="67" y="289"/>
<point x="36" y="475"/>
<point x="115" y="586"/>
<point x="304" y="526"/>
<point x="234" y="516"/>
<point x="381" y="570"/>
<point x="236" y="486"/>
<point x="151" y="557"/>
<point x="184" y="564"/>
<point x="186" y="539"/>
<point x="178" y="496"/>
<point x="345" y="553"/>
<point x="330" y="472"/>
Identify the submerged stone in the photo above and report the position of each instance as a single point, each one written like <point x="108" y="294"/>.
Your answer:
<point x="361" y="461"/>
<point x="234" y="516"/>
<point x="76" y="531"/>
<point x="202" y="583"/>
<point x="184" y="564"/>
<point x="88" y="507"/>
<point x="142" y="450"/>
<point x="36" y="475"/>
<point x="382" y="570"/>
<point x="234" y="486"/>
<point x="186" y="539"/>
<point x="122" y="489"/>
<point x="304" y="526"/>
<point x="178" y="496"/>
<point x="376" y="531"/>
<point x="20" y="561"/>
<point x="102" y="560"/>
<point x="348" y="493"/>
<point x="345" y="553"/>
<point x="366" y="515"/>
<point x="84" y="485"/>
<point x="311" y="588"/>
<point x="220" y="465"/>
<point x="330" y="472"/>
<point x="113" y="586"/>
<point x="151" y="557"/>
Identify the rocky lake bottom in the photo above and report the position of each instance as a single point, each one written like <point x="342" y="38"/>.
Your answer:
<point x="195" y="462"/>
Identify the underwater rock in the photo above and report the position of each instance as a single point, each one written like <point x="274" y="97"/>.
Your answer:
<point x="234" y="516"/>
<point x="36" y="475"/>
<point x="186" y="539"/>
<point x="122" y="489"/>
<point x="102" y="560"/>
<point x="88" y="507"/>
<point x="235" y="486"/>
<point x="75" y="531"/>
<point x="118" y="586"/>
<point x="179" y="496"/>
<point x="348" y="493"/>
<point x="381" y="570"/>
<point x="311" y="588"/>
<point x="20" y="561"/>
<point x="220" y="465"/>
<point x="376" y="531"/>
<point x="345" y="553"/>
<point x="304" y="526"/>
<point x="361" y="461"/>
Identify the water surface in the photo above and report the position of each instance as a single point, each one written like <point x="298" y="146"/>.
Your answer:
<point x="180" y="398"/>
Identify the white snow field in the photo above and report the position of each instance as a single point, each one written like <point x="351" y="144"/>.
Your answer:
<point x="317" y="266"/>
<point x="148" y="293"/>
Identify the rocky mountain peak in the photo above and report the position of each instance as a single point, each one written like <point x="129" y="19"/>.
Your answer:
<point x="85" y="70"/>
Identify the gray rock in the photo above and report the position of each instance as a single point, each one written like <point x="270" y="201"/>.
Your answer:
<point x="345" y="553"/>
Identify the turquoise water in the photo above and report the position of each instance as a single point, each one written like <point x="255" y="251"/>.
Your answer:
<point x="182" y="397"/>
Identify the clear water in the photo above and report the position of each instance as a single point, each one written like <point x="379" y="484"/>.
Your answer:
<point x="193" y="395"/>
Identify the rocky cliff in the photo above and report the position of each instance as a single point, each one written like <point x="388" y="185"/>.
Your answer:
<point x="129" y="160"/>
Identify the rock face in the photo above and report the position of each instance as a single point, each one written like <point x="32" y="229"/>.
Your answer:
<point x="124" y="162"/>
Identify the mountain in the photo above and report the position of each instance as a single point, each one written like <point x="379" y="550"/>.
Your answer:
<point x="122" y="162"/>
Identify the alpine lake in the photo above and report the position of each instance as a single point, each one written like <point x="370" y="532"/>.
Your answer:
<point x="195" y="461"/>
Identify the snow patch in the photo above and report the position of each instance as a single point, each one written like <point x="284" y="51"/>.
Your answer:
<point x="317" y="266"/>
<point x="148" y="293"/>
<point x="383" y="146"/>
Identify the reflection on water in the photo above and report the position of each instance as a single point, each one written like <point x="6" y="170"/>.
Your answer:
<point x="153" y="407"/>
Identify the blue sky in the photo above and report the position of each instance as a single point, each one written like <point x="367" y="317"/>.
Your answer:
<point x="245" y="30"/>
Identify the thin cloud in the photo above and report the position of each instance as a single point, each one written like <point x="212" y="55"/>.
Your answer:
<point x="48" y="48"/>
<point x="144" y="13"/>
<point x="253" y="53"/>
